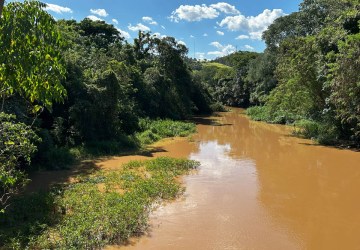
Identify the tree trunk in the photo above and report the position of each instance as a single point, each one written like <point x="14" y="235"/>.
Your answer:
<point x="1" y="6"/>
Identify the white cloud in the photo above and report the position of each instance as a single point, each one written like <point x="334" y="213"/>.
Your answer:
<point x="256" y="35"/>
<point x="200" y="55"/>
<point x="99" y="12"/>
<point x="255" y="25"/>
<point x="248" y="47"/>
<point x="193" y="13"/>
<point x="191" y="36"/>
<point x="149" y="20"/>
<point x="57" y="8"/>
<point x="115" y="21"/>
<point x="205" y="34"/>
<point x="220" y="32"/>
<point x="223" y="50"/>
<point x="138" y="27"/>
<point x="123" y="33"/>
<point x="242" y="37"/>
<point x="197" y="12"/>
<point x="94" y="18"/>
<point x="181" y="42"/>
<point x="226" y="8"/>
<point x="163" y="27"/>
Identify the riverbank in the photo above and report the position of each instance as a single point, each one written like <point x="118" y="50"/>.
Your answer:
<point x="100" y="201"/>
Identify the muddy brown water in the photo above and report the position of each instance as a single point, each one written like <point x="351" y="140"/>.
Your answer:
<point x="257" y="188"/>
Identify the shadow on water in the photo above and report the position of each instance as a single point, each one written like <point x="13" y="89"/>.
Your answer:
<point x="151" y="151"/>
<point x="340" y="147"/>
<point x="209" y="121"/>
<point x="44" y="180"/>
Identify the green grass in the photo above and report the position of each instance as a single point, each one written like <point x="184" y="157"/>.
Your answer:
<point x="155" y="130"/>
<point x="263" y="113"/>
<point x="105" y="208"/>
<point x="215" y="64"/>
<point x="323" y="133"/>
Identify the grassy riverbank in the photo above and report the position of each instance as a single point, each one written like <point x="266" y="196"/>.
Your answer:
<point x="102" y="207"/>
<point x="320" y="131"/>
<point x="150" y="131"/>
<point x="106" y="207"/>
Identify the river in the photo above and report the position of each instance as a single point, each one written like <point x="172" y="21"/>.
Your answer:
<point x="258" y="187"/>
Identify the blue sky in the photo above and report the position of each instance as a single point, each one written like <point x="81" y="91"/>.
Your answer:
<point x="208" y="28"/>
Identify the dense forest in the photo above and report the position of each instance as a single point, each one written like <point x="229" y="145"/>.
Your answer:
<point x="309" y="73"/>
<point x="73" y="88"/>
<point x="76" y="89"/>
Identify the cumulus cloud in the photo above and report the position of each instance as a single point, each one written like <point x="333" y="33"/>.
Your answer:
<point x="94" y="18"/>
<point x="255" y="25"/>
<point x="149" y="20"/>
<point x="193" y="13"/>
<point x="123" y="33"/>
<point x="220" y="33"/>
<point x="226" y="8"/>
<point x="99" y="12"/>
<point x="242" y="37"/>
<point x="57" y="8"/>
<point x="200" y="55"/>
<point x="223" y="50"/>
<point x="248" y="47"/>
<point x="205" y="34"/>
<point x="115" y="21"/>
<point x="181" y="42"/>
<point x="163" y="27"/>
<point x="138" y="27"/>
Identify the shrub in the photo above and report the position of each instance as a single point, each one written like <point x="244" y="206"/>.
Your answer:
<point x="154" y="130"/>
<point x="16" y="147"/>
<point x="323" y="133"/>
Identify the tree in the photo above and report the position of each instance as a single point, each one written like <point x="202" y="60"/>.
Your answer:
<point x="30" y="67"/>
<point x="30" y="62"/>
<point x="16" y="147"/>
<point x="345" y="84"/>
<point x="99" y="33"/>
<point x="261" y="76"/>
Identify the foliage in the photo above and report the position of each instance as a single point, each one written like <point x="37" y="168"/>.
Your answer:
<point x="107" y="207"/>
<point x="324" y="133"/>
<point x="317" y="70"/>
<point x="16" y="147"/>
<point x="261" y="77"/>
<point x="154" y="130"/>
<point x="345" y="84"/>
<point x="30" y="61"/>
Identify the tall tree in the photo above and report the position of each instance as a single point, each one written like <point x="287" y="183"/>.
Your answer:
<point x="30" y="62"/>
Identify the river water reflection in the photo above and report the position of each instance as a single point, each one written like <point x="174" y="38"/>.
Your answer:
<point x="259" y="188"/>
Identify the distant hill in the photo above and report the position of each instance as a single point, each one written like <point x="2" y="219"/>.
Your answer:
<point x="238" y="59"/>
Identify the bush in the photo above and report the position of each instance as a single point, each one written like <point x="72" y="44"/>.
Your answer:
<point x="154" y="130"/>
<point x="264" y="113"/>
<point x="218" y="107"/>
<point x="16" y="148"/>
<point x="259" y="113"/>
<point x="323" y="133"/>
